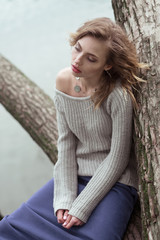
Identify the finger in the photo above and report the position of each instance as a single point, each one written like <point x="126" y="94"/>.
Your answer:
<point x="76" y="224"/>
<point x="79" y="223"/>
<point x="60" y="214"/>
<point x="69" y="217"/>
<point x="65" y="214"/>
<point x="72" y="222"/>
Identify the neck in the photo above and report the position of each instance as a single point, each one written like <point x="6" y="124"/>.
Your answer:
<point x="89" y="83"/>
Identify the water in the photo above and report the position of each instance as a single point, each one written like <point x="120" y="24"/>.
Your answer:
<point x="34" y="36"/>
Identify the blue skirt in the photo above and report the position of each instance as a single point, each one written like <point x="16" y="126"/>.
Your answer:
<point x="35" y="219"/>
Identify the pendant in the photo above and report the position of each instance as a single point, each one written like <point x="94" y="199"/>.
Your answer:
<point x="77" y="88"/>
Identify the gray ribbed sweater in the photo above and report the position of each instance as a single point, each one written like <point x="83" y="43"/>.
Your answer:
<point x="93" y="143"/>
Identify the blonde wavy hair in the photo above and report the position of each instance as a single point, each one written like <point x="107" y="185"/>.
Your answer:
<point x="121" y="55"/>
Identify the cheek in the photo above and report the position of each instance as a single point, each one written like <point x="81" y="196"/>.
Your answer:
<point x="96" y="68"/>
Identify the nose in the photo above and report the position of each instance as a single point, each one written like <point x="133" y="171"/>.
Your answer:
<point x="78" y="60"/>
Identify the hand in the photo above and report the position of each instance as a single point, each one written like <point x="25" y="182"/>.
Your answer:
<point x="62" y="215"/>
<point x="72" y="221"/>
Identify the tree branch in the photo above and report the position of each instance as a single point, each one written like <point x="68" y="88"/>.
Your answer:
<point x="30" y="106"/>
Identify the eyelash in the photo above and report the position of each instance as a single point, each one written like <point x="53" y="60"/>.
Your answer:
<point x="77" y="49"/>
<point x="90" y="60"/>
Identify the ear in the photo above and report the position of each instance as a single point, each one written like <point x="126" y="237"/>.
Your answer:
<point x="107" y="67"/>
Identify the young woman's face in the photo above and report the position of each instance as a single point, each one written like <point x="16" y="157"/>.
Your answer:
<point x="89" y="57"/>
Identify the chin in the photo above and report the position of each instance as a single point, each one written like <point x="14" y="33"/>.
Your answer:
<point x="75" y="74"/>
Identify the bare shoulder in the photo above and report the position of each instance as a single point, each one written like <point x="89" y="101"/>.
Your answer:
<point x="63" y="80"/>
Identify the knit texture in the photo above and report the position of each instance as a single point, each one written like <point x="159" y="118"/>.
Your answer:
<point x="93" y="143"/>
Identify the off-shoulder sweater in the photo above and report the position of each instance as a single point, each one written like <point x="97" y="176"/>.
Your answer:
<point x="92" y="142"/>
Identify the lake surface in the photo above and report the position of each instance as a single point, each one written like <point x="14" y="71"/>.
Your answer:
<point x="34" y="36"/>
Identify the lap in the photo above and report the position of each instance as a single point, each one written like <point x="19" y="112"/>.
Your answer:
<point x="111" y="216"/>
<point x="35" y="219"/>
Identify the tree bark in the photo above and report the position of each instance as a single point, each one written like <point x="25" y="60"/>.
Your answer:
<point x="141" y="21"/>
<point x="30" y="106"/>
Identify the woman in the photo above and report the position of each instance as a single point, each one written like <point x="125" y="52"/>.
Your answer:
<point x="95" y="177"/>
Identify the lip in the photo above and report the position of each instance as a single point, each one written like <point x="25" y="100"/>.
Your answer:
<point x="74" y="69"/>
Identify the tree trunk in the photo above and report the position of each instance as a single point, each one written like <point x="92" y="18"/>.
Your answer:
<point x="30" y="106"/>
<point x="142" y="23"/>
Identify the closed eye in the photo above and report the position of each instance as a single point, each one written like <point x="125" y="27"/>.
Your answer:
<point x="92" y="60"/>
<point x="77" y="48"/>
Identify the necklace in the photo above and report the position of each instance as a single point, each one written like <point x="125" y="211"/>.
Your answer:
<point x="77" y="88"/>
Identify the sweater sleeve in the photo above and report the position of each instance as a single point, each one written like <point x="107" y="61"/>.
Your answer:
<point x="119" y="107"/>
<point x="65" y="170"/>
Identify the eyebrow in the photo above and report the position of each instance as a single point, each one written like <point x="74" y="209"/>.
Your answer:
<point x="88" y="52"/>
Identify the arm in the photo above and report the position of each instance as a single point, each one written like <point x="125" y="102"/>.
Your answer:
<point x="65" y="170"/>
<point x="119" y="106"/>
